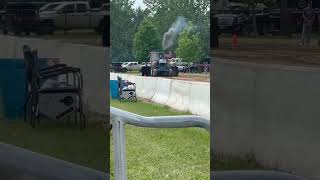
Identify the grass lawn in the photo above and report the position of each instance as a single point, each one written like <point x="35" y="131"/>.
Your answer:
<point x="87" y="147"/>
<point x="179" y="154"/>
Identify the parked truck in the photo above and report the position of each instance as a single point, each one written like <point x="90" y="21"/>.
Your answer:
<point x="131" y="66"/>
<point x="68" y="15"/>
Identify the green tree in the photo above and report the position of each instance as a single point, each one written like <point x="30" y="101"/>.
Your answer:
<point x="165" y="12"/>
<point x="122" y="29"/>
<point x="139" y="15"/>
<point x="145" y="40"/>
<point x="125" y="21"/>
<point x="190" y="45"/>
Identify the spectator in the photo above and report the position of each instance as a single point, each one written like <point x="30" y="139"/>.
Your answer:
<point x="215" y="33"/>
<point x="308" y="17"/>
<point x="235" y="27"/>
<point x="206" y="68"/>
<point x="235" y="32"/>
<point x="162" y="61"/>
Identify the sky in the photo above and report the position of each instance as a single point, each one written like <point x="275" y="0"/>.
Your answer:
<point x="138" y="3"/>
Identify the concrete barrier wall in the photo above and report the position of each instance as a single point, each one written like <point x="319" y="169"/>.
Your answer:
<point x="181" y="95"/>
<point x="199" y="96"/>
<point x="148" y="89"/>
<point x="139" y="86"/>
<point x="271" y="110"/>
<point x="91" y="60"/>
<point x="163" y="91"/>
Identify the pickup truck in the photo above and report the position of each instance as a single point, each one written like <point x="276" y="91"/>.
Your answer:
<point x="68" y="15"/>
<point x="131" y="66"/>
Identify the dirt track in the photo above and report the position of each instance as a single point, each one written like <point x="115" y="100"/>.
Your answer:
<point x="275" y="51"/>
<point x="185" y="76"/>
<point x="193" y="77"/>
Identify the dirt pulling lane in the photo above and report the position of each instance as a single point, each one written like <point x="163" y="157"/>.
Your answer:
<point x="270" y="51"/>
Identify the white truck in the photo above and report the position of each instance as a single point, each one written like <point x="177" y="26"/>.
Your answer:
<point x="131" y="66"/>
<point x="67" y="15"/>
<point x="175" y="61"/>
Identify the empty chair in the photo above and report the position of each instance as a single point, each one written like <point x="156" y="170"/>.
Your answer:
<point x="55" y="92"/>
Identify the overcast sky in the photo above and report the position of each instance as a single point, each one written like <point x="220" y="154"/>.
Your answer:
<point x="138" y="3"/>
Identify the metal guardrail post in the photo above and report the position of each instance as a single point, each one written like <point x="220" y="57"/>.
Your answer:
<point x="119" y="143"/>
<point x="121" y="117"/>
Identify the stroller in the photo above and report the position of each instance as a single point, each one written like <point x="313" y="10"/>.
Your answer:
<point x="127" y="90"/>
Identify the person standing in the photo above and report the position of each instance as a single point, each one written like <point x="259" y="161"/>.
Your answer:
<point x="308" y="17"/>
<point x="215" y="33"/>
<point x="206" y="68"/>
<point x="235" y="32"/>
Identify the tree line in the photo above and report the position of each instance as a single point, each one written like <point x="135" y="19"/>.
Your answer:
<point x="136" y="32"/>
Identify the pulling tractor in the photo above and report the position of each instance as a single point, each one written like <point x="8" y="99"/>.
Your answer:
<point x="160" y="66"/>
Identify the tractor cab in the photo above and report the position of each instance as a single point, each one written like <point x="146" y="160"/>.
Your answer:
<point x="157" y="58"/>
<point x="159" y="66"/>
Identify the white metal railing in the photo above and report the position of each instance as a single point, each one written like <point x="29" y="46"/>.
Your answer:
<point x="120" y="118"/>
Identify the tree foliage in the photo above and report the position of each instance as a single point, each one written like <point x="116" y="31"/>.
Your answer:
<point x="190" y="45"/>
<point x="145" y="40"/>
<point x="165" y="12"/>
<point x="122" y="29"/>
<point x="124" y="23"/>
<point x="128" y="34"/>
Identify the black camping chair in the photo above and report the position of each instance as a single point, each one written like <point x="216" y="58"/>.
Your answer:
<point x="58" y="102"/>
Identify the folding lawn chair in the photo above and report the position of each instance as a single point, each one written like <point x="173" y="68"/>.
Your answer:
<point x="127" y="90"/>
<point x="60" y="101"/>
